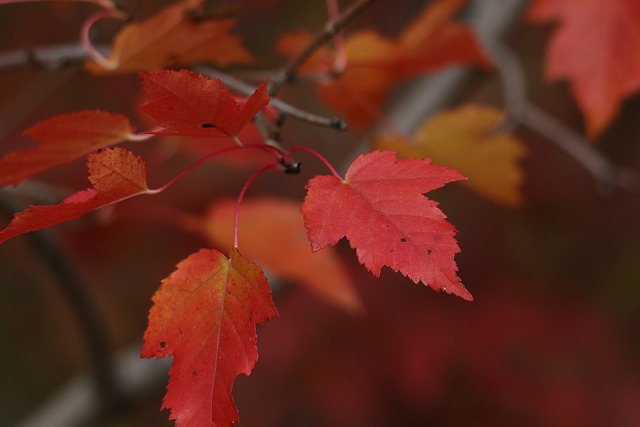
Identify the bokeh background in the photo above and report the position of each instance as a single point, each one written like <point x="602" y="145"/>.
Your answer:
<point x="551" y="338"/>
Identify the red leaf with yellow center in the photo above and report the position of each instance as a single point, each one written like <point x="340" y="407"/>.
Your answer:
<point x="205" y="315"/>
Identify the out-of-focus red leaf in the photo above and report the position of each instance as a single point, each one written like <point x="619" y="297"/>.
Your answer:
<point x="375" y="63"/>
<point x="271" y="232"/>
<point x="63" y="139"/>
<point x="189" y="104"/>
<point x="170" y="39"/>
<point x="381" y="209"/>
<point x="116" y="174"/>
<point x="205" y="315"/>
<point x="597" y="48"/>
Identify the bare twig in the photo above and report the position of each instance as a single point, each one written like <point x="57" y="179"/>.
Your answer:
<point x="333" y="26"/>
<point x="48" y="57"/>
<point x="246" y="89"/>
<point x="606" y="174"/>
<point x="107" y="4"/>
<point x="490" y="19"/>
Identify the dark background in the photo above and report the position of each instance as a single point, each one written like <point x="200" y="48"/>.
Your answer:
<point x="550" y="340"/>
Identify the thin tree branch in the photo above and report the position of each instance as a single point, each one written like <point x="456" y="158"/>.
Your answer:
<point x="490" y="19"/>
<point x="54" y="56"/>
<point x="331" y="28"/>
<point x="51" y="57"/>
<point x="76" y="291"/>
<point x="106" y="4"/>
<point x="606" y="174"/>
<point x="239" y="86"/>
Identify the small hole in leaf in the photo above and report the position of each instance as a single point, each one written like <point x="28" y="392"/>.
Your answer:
<point x="403" y="240"/>
<point x="207" y="125"/>
<point x="163" y="344"/>
<point x="428" y="251"/>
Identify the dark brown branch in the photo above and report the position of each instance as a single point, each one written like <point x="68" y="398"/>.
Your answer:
<point x="333" y="26"/>
<point x="239" y="86"/>
<point x="75" y="290"/>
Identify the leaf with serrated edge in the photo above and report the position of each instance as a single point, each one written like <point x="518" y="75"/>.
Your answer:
<point x="190" y="104"/>
<point x="205" y="315"/>
<point x="381" y="209"/>
<point x="116" y="174"/>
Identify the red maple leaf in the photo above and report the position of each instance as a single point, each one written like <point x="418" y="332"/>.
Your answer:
<point x="116" y="174"/>
<point x="381" y="209"/>
<point x="63" y="139"/>
<point x="597" y="48"/>
<point x="205" y="315"/>
<point x="190" y="104"/>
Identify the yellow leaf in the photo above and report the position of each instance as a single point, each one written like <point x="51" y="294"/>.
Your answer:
<point x="466" y="139"/>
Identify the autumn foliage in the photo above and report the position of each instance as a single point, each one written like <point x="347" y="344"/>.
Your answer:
<point x="380" y="201"/>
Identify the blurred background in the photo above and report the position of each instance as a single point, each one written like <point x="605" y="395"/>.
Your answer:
<point x="551" y="338"/>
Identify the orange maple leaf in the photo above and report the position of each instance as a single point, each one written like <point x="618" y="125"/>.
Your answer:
<point x="205" y="315"/>
<point x="375" y="63"/>
<point x="272" y="233"/>
<point x="171" y="39"/>
<point x="597" y="48"/>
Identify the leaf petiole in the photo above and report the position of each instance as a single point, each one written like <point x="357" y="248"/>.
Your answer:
<point x="318" y="156"/>
<point x="277" y="153"/>
<point x="252" y="178"/>
<point x="86" y="40"/>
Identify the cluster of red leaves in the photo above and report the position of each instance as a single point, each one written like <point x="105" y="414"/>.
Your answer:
<point x="205" y="313"/>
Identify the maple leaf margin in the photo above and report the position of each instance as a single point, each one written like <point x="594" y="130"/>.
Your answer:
<point x="381" y="209"/>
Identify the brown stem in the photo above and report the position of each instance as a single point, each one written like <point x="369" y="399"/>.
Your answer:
<point x="289" y="71"/>
<point x="246" y="89"/>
